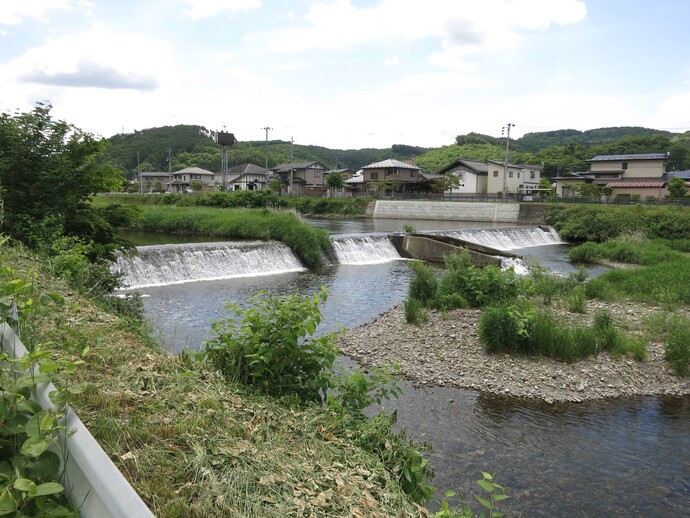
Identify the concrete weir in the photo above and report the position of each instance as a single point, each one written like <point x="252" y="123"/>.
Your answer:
<point x="434" y="248"/>
<point x="496" y="212"/>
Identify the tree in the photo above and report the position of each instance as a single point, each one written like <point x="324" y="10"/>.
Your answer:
<point x="196" y="186"/>
<point x="334" y="181"/>
<point x="448" y="182"/>
<point x="48" y="170"/>
<point x="677" y="188"/>
<point x="587" y="190"/>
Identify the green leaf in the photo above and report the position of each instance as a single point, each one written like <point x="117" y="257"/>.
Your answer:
<point x="34" y="446"/>
<point x="7" y="503"/>
<point x="57" y="398"/>
<point x="26" y="485"/>
<point x="483" y="501"/>
<point x="498" y="498"/>
<point x="485" y="485"/>
<point x="49" y="488"/>
<point x="28" y="406"/>
<point x="32" y="380"/>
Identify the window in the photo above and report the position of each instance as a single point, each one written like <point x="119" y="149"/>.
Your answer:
<point x="532" y="175"/>
<point x="624" y="165"/>
<point x="518" y="174"/>
<point x="510" y="174"/>
<point x="412" y="174"/>
<point x="197" y="177"/>
<point x="317" y="174"/>
<point x="374" y="176"/>
<point x="495" y="174"/>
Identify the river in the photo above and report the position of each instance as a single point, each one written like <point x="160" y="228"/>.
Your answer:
<point x="610" y="458"/>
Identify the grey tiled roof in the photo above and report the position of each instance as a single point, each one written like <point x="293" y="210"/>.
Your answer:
<point x="640" y="156"/>
<point x="390" y="162"/>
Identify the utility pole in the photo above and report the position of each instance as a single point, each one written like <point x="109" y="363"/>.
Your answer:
<point x="266" y="129"/>
<point x="141" y="181"/>
<point x="170" y="167"/>
<point x="505" y="130"/>
<point x="292" y="143"/>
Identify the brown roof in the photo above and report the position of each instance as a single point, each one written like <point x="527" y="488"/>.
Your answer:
<point x="631" y="183"/>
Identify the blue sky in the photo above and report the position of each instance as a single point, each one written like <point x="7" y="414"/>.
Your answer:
<point x="349" y="74"/>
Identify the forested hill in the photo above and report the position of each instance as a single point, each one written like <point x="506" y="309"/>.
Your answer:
<point x="193" y="146"/>
<point x="558" y="152"/>
<point x="533" y="142"/>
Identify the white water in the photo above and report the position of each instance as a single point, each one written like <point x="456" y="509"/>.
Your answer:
<point x="508" y="238"/>
<point x="161" y="265"/>
<point x="364" y="249"/>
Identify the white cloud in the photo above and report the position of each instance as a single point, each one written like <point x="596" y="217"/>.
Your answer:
<point x="205" y="8"/>
<point x="467" y="24"/>
<point x="96" y="58"/>
<point x="674" y="112"/>
<point x="13" y="12"/>
<point x="391" y="61"/>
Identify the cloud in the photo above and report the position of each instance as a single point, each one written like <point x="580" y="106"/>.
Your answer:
<point x="15" y="12"/>
<point x="205" y="8"/>
<point x="98" y="58"/>
<point x="464" y="24"/>
<point x="89" y="74"/>
<point x="391" y="61"/>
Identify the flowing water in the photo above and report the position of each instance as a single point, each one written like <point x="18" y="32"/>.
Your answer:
<point x="614" y="458"/>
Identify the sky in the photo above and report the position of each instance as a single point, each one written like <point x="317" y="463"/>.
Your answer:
<point x="349" y="74"/>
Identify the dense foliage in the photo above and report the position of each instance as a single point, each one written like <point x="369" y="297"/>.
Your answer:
<point x="599" y="223"/>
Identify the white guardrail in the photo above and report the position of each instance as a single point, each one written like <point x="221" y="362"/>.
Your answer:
<point x="90" y="478"/>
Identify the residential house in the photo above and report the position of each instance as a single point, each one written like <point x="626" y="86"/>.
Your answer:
<point x="302" y="178"/>
<point x="355" y="185"/>
<point x="183" y="179"/>
<point x="634" y="175"/>
<point x="512" y="179"/>
<point x="153" y="181"/>
<point x="472" y="176"/>
<point x="245" y="177"/>
<point x="397" y="176"/>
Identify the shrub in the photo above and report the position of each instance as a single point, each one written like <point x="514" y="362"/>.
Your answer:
<point x="414" y="312"/>
<point x="678" y="344"/>
<point x="423" y="284"/>
<point x="576" y="300"/>
<point x="271" y="347"/>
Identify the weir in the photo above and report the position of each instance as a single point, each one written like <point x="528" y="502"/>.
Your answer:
<point x="160" y="265"/>
<point x="174" y="264"/>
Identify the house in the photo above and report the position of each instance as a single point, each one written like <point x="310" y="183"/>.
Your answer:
<point x="246" y="177"/>
<point x="633" y="175"/>
<point x="512" y="179"/>
<point x="636" y="175"/>
<point x="346" y="190"/>
<point x="356" y="184"/>
<point x="183" y="179"/>
<point x="303" y="178"/>
<point x="396" y="176"/>
<point x="153" y="181"/>
<point x="472" y="176"/>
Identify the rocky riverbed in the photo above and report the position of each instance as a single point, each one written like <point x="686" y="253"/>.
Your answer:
<point x="446" y="352"/>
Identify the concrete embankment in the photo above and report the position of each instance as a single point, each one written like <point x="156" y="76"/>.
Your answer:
<point x="503" y="212"/>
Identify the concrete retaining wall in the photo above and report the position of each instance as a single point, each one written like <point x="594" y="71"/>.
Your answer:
<point x="428" y="249"/>
<point x="446" y="210"/>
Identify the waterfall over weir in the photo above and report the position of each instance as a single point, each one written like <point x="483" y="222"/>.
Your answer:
<point x="160" y="265"/>
<point x="175" y="264"/>
<point x="363" y="249"/>
<point x="508" y="238"/>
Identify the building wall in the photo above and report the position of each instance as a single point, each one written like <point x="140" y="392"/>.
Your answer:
<point x="633" y="169"/>
<point x="518" y="179"/>
<point x="643" y="192"/>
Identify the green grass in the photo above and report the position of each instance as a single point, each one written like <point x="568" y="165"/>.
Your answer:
<point x="308" y="243"/>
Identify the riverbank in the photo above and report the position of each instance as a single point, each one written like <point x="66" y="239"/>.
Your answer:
<point x="446" y="352"/>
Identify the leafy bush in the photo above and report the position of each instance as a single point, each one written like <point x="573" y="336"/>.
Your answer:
<point x="271" y="347"/>
<point x="423" y="285"/>
<point x="678" y="344"/>
<point x="414" y="312"/>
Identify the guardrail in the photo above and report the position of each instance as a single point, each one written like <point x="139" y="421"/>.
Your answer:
<point x="90" y="478"/>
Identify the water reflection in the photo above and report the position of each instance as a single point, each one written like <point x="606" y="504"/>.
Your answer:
<point x="615" y="458"/>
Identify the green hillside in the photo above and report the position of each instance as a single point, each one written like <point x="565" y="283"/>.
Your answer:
<point x="559" y="152"/>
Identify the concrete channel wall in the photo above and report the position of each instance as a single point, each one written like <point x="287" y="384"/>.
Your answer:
<point x="504" y="212"/>
<point x="90" y="478"/>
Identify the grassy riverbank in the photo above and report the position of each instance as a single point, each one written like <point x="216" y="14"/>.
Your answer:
<point x="190" y="442"/>
<point x="309" y="244"/>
